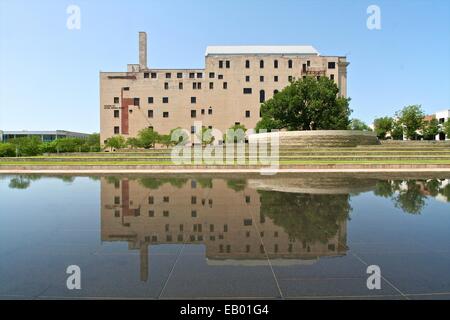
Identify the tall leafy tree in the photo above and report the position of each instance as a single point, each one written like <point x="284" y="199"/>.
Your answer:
<point x="356" y="124"/>
<point x="430" y="129"/>
<point x="446" y="128"/>
<point x="116" y="142"/>
<point x="382" y="126"/>
<point x="306" y="104"/>
<point x="411" y="117"/>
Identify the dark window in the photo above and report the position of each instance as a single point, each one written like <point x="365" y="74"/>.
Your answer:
<point x="331" y="65"/>
<point x="227" y="64"/>
<point x="308" y="63"/>
<point x="247" y="90"/>
<point x="192" y="129"/>
<point x="199" y="75"/>
<point x="168" y="75"/>
<point x="180" y="85"/>
<point x="225" y="85"/>
<point x="150" y="113"/>
<point x="193" y="113"/>
<point x="150" y="99"/>
<point x="247" y="64"/>
<point x="261" y="78"/>
<point x="193" y="100"/>
<point x="136" y="101"/>
<point x="116" y="130"/>
<point x="220" y="64"/>
<point x="210" y="110"/>
<point x="304" y="67"/>
<point x="192" y="75"/>
<point x="247" y="78"/>
<point x="199" y="85"/>
<point x="116" y="200"/>
<point x="211" y="75"/>
<point x="211" y="85"/>
<point x="290" y="64"/>
<point x="203" y="111"/>
<point x="165" y="199"/>
<point x="116" y="113"/>
<point x="220" y="76"/>
<point x="275" y="92"/>
<point x="165" y="114"/>
<point x="290" y="78"/>
<point x="165" y="99"/>
<point x="116" y="100"/>
<point x="166" y="85"/>
<point x="248" y="222"/>
<point x="151" y="200"/>
<point x="332" y="76"/>
<point x="275" y="78"/>
<point x="275" y="64"/>
<point x="126" y="89"/>
<point x="194" y="85"/>
<point x="261" y="64"/>
<point x="247" y="113"/>
<point x="262" y="96"/>
<point x="179" y="75"/>
<point x="146" y="75"/>
<point x="153" y="75"/>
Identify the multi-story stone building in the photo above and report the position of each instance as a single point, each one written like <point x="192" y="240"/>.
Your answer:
<point x="228" y="91"/>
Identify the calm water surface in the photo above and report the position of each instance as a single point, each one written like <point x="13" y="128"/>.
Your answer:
<point x="215" y="236"/>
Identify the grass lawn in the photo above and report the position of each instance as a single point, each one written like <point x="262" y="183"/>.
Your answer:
<point x="293" y="162"/>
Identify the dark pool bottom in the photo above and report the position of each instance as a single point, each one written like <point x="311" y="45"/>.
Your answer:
<point x="230" y="236"/>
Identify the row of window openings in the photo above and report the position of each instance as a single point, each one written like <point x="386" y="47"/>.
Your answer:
<point x="331" y="65"/>
<point x="197" y="85"/>
<point x="192" y="75"/>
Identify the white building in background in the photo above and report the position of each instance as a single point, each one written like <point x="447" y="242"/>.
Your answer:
<point x="442" y="116"/>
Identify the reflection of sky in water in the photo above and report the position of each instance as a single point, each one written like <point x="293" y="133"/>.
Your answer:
<point x="316" y="234"/>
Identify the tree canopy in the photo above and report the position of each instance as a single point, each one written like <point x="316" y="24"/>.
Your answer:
<point x="382" y="126"/>
<point x="411" y="118"/>
<point x="306" y="104"/>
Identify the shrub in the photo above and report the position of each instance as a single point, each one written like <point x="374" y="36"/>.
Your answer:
<point x="7" y="150"/>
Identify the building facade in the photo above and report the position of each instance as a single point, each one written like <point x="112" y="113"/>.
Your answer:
<point x="45" y="136"/>
<point x="227" y="91"/>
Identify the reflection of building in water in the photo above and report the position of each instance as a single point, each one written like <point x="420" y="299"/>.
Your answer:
<point x="225" y="216"/>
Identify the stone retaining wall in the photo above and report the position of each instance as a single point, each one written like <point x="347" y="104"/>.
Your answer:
<point x="319" y="138"/>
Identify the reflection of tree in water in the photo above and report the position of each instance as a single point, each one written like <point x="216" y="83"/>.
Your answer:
<point x="24" y="181"/>
<point x="237" y="184"/>
<point x="410" y="195"/>
<point x="155" y="183"/>
<point x="306" y="217"/>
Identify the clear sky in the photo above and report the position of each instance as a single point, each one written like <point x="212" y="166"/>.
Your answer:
<point x="49" y="74"/>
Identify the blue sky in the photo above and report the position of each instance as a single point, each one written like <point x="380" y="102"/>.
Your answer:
<point x="49" y="74"/>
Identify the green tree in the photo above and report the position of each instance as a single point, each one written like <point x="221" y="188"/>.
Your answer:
<point x="92" y="142"/>
<point x="133" y="142"/>
<point x="446" y="128"/>
<point x="356" y="124"/>
<point x="205" y="136"/>
<point x="116" y="142"/>
<point x="411" y="117"/>
<point x="307" y="104"/>
<point x="430" y="129"/>
<point x="27" y="146"/>
<point x="397" y="131"/>
<point x="235" y="134"/>
<point x="179" y="136"/>
<point x="165" y="140"/>
<point x="148" y="137"/>
<point x="7" y="150"/>
<point x="382" y="126"/>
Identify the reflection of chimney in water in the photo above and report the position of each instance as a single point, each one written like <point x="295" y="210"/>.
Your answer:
<point x="144" y="261"/>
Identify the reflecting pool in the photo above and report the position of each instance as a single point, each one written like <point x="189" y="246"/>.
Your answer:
<point x="225" y="236"/>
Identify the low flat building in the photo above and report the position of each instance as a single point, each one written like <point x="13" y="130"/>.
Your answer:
<point x="442" y="116"/>
<point x="45" y="136"/>
<point x="227" y="91"/>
